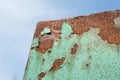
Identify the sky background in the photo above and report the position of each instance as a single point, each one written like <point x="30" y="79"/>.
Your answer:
<point x="18" y="19"/>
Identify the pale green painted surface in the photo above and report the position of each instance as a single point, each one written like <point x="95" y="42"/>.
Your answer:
<point x="35" y="42"/>
<point x="46" y="30"/>
<point x="103" y="58"/>
<point x="117" y="22"/>
<point x="66" y="30"/>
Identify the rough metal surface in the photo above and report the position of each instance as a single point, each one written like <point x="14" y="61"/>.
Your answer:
<point x="80" y="48"/>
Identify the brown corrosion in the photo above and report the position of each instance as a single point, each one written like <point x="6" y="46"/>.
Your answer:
<point x="74" y="49"/>
<point x="46" y="42"/>
<point x="41" y="75"/>
<point x="57" y="64"/>
<point x="104" y="21"/>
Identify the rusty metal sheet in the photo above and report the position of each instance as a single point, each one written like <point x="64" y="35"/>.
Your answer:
<point x="79" y="48"/>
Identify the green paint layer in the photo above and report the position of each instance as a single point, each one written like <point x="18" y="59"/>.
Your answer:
<point x="66" y="29"/>
<point x="95" y="59"/>
<point x="117" y="22"/>
<point x="46" y="30"/>
<point x="35" y="42"/>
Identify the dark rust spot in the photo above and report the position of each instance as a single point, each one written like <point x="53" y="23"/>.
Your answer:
<point x="89" y="57"/>
<point x="74" y="49"/>
<point x="86" y="65"/>
<point x="49" y="51"/>
<point x="57" y="64"/>
<point x="43" y="59"/>
<point x="41" y="75"/>
<point x="68" y="62"/>
<point x="72" y="33"/>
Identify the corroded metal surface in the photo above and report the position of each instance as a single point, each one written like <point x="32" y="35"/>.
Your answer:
<point x="80" y="48"/>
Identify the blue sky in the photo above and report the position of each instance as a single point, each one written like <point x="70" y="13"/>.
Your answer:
<point x="18" y="19"/>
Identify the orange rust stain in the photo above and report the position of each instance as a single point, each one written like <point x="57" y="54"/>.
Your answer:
<point x="74" y="49"/>
<point x="41" y="75"/>
<point x="57" y="64"/>
<point x="82" y="24"/>
<point x="53" y="25"/>
<point x="104" y="21"/>
<point x="46" y="42"/>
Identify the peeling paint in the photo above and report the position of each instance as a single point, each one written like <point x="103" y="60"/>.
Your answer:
<point x="35" y="42"/>
<point x="101" y="62"/>
<point x="81" y="24"/>
<point x="88" y="49"/>
<point x="117" y="22"/>
<point x="46" y="30"/>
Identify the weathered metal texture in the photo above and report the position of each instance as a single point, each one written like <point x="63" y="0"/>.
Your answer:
<point x="80" y="48"/>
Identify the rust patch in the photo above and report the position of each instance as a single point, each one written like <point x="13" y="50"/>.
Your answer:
<point x="41" y="75"/>
<point x="55" y="26"/>
<point x="46" y="42"/>
<point x="104" y="21"/>
<point x="57" y="64"/>
<point x="81" y="24"/>
<point x="74" y="49"/>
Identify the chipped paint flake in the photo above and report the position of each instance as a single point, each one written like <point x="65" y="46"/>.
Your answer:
<point x="117" y="22"/>
<point x="35" y="42"/>
<point x="46" y="30"/>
